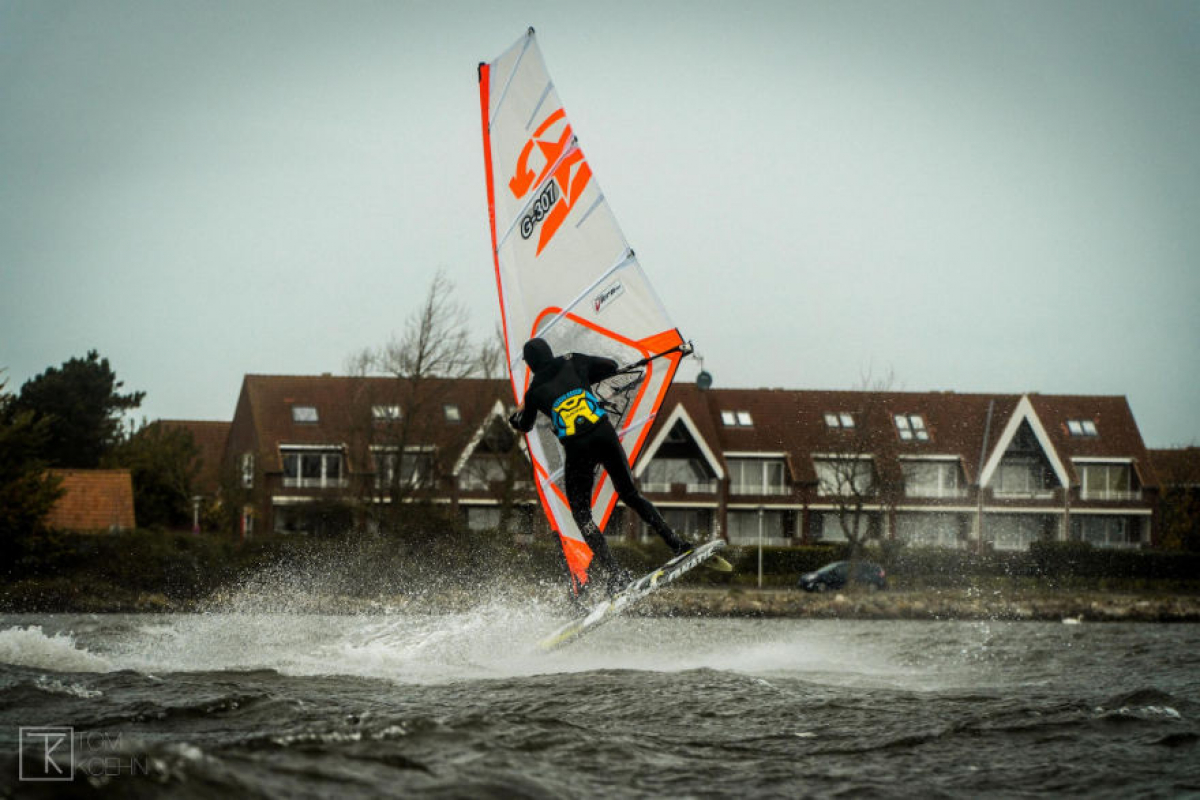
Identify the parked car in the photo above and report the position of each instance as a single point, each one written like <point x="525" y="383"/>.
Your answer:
<point x="833" y="576"/>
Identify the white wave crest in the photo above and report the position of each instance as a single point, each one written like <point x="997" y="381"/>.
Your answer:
<point x="31" y="647"/>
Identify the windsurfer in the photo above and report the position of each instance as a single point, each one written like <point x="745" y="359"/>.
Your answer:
<point x="561" y="389"/>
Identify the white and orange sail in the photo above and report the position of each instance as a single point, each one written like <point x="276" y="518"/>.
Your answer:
<point x="565" y="272"/>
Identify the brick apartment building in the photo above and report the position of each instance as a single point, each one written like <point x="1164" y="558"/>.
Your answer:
<point x="930" y="468"/>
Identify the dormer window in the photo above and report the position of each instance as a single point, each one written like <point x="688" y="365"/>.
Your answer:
<point x="911" y="427"/>
<point x="385" y="413"/>
<point x="737" y="419"/>
<point x="1083" y="428"/>
<point x="305" y="414"/>
<point x="842" y="419"/>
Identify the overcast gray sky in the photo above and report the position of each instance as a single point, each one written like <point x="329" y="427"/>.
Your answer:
<point x="971" y="196"/>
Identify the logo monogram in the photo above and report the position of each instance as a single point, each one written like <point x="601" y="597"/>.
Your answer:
<point x="53" y="753"/>
<point x="552" y="139"/>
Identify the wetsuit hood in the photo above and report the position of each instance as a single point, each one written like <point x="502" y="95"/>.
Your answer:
<point x="538" y="354"/>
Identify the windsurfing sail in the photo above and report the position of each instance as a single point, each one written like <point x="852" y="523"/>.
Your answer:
<point x="565" y="273"/>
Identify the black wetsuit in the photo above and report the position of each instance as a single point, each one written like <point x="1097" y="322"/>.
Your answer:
<point x="561" y="389"/>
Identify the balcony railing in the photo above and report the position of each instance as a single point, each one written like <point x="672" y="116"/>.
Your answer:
<point x="758" y="489"/>
<point x="1024" y="494"/>
<point x="1111" y="494"/>
<point x="316" y="483"/>
<point x="699" y="487"/>
<point x="935" y="492"/>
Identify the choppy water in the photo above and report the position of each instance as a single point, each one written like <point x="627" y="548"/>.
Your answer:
<point x="460" y="705"/>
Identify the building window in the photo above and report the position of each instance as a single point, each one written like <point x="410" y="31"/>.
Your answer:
<point x="910" y="427"/>
<point x="757" y="476"/>
<point x="932" y="529"/>
<point x="1107" y="532"/>
<point x="1023" y="476"/>
<point x="737" y="419"/>
<point x="1083" y="428"/>
<point x="661" y="473"/>
<point x="305" y="414"/>
<point x="385" y="413"/>
<point x="452" y="413"/>
<point x="842" y="419"/>
<point x="1015" y="532"/>
<point x="482" y="470"/>
<point x="1106" y="482"/>
<point x="313" y="468"/>
<point x="932" y="479"/>
<point x="483" y="518"/>
<point x="247" y="470"/>
<point x="744" y="526"/>
<point x="830" y="526"/>
<point x="416" y="468"/>
<point x="844" y="477"/>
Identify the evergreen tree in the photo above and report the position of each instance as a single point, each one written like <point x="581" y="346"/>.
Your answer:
<point x="81" y="407"/>
<point x="27" y="492"/>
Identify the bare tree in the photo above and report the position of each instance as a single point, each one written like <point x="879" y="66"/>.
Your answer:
<point x="851" y="476"/>
<point x="396" y="421"/>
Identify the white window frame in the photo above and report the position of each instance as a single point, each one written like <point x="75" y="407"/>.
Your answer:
<point x="328" y="455"/>
<point x="1082" y="428"/>
<point x="1089" y="470"/>
<point x="911" y="427"/>
<point x="737" y="419"/>
<point x="385" y="413"/>
<point x="386" y="462"/>
<point x="766" y="463"/>
<point x="827" y="463"/>
<point x="947" y="466"/>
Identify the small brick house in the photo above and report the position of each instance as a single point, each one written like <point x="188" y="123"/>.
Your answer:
<point x="93" y="501"/>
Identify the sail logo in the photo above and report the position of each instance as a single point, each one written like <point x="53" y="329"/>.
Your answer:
<point x="601" y="301"/>
<point x="541" y="207"/>
<point x="549" y="153"/>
